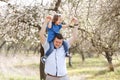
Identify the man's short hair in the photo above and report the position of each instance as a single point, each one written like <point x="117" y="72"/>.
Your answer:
<point x="59" y="36"/>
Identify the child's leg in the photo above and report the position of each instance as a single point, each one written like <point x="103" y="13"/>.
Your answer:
<point x="49" y="51"/>
<point x="43" y="59"/>
<point x="65" y="45"/>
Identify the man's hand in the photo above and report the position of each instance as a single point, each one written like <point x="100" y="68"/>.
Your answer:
<point x="74" y="20"/>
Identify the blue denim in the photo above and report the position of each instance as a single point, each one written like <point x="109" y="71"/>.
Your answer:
<point x="51" y="48"/>
<point x="65" y="45"/>
<point x="49" y="51"/>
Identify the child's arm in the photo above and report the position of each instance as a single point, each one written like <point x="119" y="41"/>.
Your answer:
<point x="72" y="22"/>
<point x="65" y="26"/>
<point x="49" y="20"/>
<point x="49" y="24"/>
<point x="43" y="28"/>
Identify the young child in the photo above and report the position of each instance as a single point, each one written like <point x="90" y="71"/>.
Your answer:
<point x="53" y="27"/>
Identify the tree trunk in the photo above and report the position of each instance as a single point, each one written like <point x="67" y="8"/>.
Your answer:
<point x="82" y="55"/>
<point x="57" y="4"/>
<point x="109" y="59"/>
<point x="42" y="74"/>
<point x="2" y="44"/>
<point x="70" y="60"/>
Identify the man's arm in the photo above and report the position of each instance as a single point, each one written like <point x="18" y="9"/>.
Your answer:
<point x="74" y="35"/>
<point x="42" y="33"/>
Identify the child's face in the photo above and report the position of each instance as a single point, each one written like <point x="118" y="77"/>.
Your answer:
<point x="58" y="21"/>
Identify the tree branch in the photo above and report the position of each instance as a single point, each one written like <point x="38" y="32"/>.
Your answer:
<point x="57" y="5"/>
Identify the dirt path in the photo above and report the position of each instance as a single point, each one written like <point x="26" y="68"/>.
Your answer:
<point x="19" y="64"/>
<point x="78" y="77"/>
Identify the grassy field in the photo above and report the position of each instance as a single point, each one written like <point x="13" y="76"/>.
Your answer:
<point x="21" y="67"/>
<point x="94" y="69"/>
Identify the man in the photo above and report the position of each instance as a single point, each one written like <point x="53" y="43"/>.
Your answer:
<point x="55" y="65"/>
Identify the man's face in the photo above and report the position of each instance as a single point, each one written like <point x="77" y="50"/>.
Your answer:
<point x="58" y="42"/>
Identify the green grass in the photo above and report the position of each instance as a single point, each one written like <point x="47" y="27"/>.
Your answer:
<point x="95" y="68"/>
<point x="30" y="65"/>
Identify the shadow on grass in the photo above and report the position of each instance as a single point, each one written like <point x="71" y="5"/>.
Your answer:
<point x="117" y="65"/>
<point x="102" y="72"/>
<point x="99" y="73"/>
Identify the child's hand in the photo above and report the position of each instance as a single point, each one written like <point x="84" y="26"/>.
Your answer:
<point x="49" y="18"/>
<point x="74" y="20"/>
